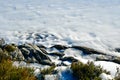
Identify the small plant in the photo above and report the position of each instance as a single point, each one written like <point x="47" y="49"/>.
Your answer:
<point x="86" y="71"/>
<point x="10" y="72"/>
<point x="3" y="56"/>
<point x="9" y="48"/>
<point x="117" y="77"/>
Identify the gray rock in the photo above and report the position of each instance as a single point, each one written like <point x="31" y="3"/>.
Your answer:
<point x="110" y="59"/>
<point x="27" y="46"/>
<point x="25" y="52"/>
<point x="47" y="62"/>
<point x="40" y="54"/>
<point x="2" y="42"/>
<point x="13" y="51"/>
<point x="59" y="47"/>
<point x="56" y="54"/>
<point x="32" y="51"/>
<point x="71" y="59"/>
<point x="34" y="60"/>
<point x="29" y="53"/>
<point x="117" y="49"/>
<point x="17" y="55"/>
<point x="41" y="46"/>
<point x="1" y="50"/>
<point x="43" y="50"/>
<point x="37" y="57"/>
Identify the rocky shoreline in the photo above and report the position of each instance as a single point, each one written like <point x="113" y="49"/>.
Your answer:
<point x="54" y="56"/>
<point x="40" y="54"/>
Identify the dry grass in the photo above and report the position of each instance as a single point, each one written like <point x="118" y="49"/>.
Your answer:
<point x="10" y="72"/>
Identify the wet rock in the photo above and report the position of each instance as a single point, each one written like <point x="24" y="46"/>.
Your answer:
<point x="56" y="54"/>
<point x="117" y="49"/>
<point x="18" y="55"/>
<point x="43" y="50"/>
<point x="31" y="60"/>
<point x="37" y="57"/>
<point x="2" y="42"/>
<point x="41" y="46"/>
<point x="71" y="59"/>
<point x="59" y="47"/>
<point x="25" y="52"/>
<point x="110" y="59"/>
<point x="64" y="63"/>
<point x="27" y="46"/>
<point x="28" y="53"/>
<point x="33" y="48"/>
<point x="47" y="62"/>
<point x="116" y="60"/>
<point x="41" y="55"/>
<point x="87" y="50"/>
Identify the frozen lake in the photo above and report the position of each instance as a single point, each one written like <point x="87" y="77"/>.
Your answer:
<point x="93" y="23"/>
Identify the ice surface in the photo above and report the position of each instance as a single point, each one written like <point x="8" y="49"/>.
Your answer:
<point x="93" y="23"/>
<point x="109" y="66"/>
<point x="104" y="76"/>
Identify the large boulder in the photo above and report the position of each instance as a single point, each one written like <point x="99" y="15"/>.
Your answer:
<point x="30" y="51"/>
